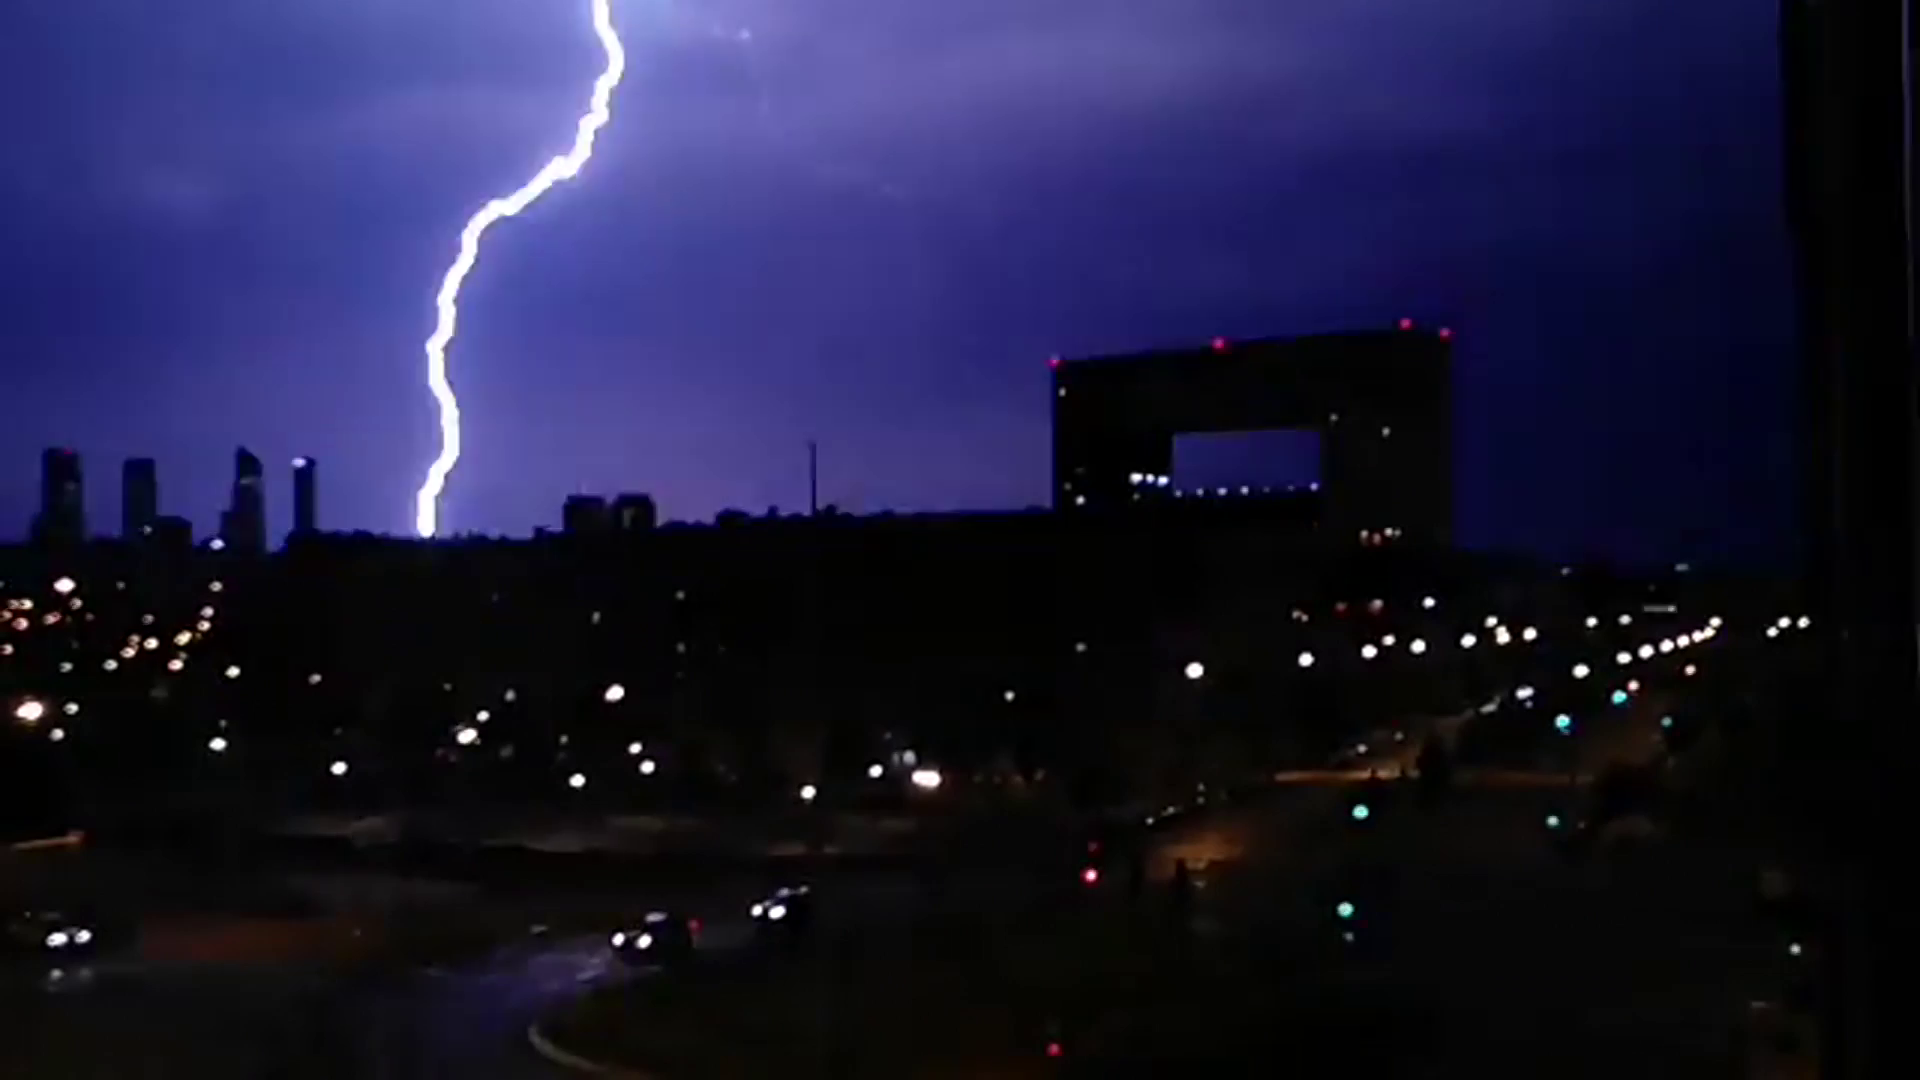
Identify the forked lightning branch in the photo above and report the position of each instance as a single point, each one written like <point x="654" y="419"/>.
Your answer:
<point x="565" y="167"/>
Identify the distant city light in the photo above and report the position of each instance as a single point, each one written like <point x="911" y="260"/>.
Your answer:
<point x="808" y="792"/>
<point x="614" y="694"/>
<point x="1361" y="812"/>
<point x="63" y="585"/>
<point x="577" y="781"/>
<point x="1417" y="646"/>
<point x="1344" y="909"/>
<point x="1626" y="619"/>
<point x="876" y="770"/>
<point x="1369" y="651"/>
<point x="1007" y="696"/>
<point x="57" y="735"/>
<point x="1305" y="659"/>
<point x="338" y="768"/>
<point x="1553" y="821"/>
<point x="466" y="736"/>
<point x="1468" y="640"/>
<point x="29" y="711"/>
<point x="233" y="671"/>
<point x="1563" y="723"/>
<point x="648" y="766"/>
<point x="1619" y="697"/>
<point x="1593" y="621"/>
<point x="1196" y="670"/>
<point x="635" y="749"/>
<point x="217" y="744"/>
<point x="1427" y="602"/>
<point x="926" y="779"/>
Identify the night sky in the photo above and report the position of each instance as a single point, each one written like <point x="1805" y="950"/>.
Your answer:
<point x="870" y="221"/>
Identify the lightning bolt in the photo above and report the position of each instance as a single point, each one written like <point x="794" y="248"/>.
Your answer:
<point x="565" y="167"/>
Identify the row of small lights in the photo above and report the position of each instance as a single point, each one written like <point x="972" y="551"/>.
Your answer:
<point x="32" y="711"/>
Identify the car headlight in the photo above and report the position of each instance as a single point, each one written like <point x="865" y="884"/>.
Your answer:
<point x="644" y="941"/>
<point x="777" y="912"/>
<point x="57" y="939"/>
<point x="757" y="910"/>
<point x="82" y="936"/>
<point x="618" y="939"/>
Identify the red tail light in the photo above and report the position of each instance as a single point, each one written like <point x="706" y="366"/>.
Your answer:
<point x="1091" y="875"/>
<point x="1054" y="1050"/>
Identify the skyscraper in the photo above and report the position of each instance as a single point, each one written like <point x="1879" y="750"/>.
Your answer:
<point x="139" y="497"/>
<point x="306" y="497"/>
<point x="244" y="526"/>
<point x="62" y="517"/>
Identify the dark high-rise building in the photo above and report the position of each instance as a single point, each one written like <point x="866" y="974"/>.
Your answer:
<point x="139" y="497"/>
<point x="1380" y="403"/>
<point x="634" y="513"/>
<point x="62" y="516"/>
<point x="306" y="497"/>
<point x="244" y="526"/>
<point x="584" y="515"/>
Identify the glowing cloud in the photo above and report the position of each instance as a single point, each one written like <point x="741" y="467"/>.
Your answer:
<point x="565" y="167"/>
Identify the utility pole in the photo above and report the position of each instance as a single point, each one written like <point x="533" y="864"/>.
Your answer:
<point x="813" y="478"/>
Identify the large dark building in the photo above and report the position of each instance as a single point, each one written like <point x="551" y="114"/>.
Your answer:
<point x="62" y="516"/>
<point x="1380" y="402"/>
<point x="244" y="525"/>
<point x="306" y="508"/>
<point x="139" y="497"/>
<point x="584" y="515"/>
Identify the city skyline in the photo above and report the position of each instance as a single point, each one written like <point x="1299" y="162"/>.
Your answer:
<point x="773" y="249"/>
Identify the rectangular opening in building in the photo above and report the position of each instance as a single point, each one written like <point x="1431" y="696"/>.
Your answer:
<point x="1269" y="462"/>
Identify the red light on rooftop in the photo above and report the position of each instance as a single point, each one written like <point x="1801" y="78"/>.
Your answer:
<point x="1219" y="344"/>
<point x="1091" y="875"/>
<point x="1445" y="333"/>
<point x="1053" y="361"/>
<point x="1054" y="1049"/>
<point x="1406" y="324"/>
